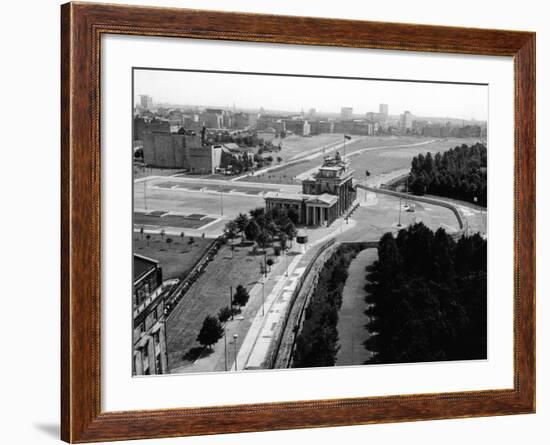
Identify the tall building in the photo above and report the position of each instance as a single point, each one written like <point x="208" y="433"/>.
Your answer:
<point x="346" y="113"/>
<point x="149" y="333"/>
<point x="384" y="110"/>
<point x="325" y="196"/>
<point x="146" y="101"/>
<point x="307" y="129"/>
<point x="406" y="121"/>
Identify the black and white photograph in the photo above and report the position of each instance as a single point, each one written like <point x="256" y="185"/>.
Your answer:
<point x="294" y="221"/>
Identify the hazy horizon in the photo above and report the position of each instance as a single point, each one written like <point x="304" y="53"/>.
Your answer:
<point x="325" y="95"/>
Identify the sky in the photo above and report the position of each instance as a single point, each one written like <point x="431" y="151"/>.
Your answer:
<point x="291" y="93"/>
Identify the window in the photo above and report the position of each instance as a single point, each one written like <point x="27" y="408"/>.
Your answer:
<point x="146" y="350"/>
<point x="158" y="364"/>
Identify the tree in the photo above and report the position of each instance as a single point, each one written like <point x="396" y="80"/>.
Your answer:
<point x="182" y="235"/>
<point x="168" y="241"/>
<point x="262" y="239"/>
<point x="293" y="216"/>
<point x="231" y="229"/>
<point x="211" y="331"/>
<point x="162" y="233"/>
<point x="241" y="220"/>
<point x="148" y="237"/>
<point x="141" y="231"/>
<point x="279" y="159"/>
<point x="269" y="263"/>
<point x="283" y="237"/>
<point x="252" y="230"/>
<point x="224" y="314"/>
<point x="459" y="173"/>
<point x="241" y="296"/>
<point x="290" y="230"/>
<point x="427" y="297"/>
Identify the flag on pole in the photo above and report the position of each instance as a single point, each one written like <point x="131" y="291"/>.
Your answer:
<point x="347" y="137"/>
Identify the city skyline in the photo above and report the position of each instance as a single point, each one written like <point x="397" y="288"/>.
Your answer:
<point x="326" y="95"/>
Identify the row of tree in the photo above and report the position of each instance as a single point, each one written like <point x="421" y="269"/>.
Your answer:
<point x="317" y="341"/>
<point x="213" y="326"/>
<point x="459" y="173"/>
<point x="427" y="297"/>
<point x="262" y="226"/>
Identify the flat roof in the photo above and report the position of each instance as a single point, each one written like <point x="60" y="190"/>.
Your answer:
<point x="143" y="265"/>
<point x="286" y="195"/>
<point x="325" y="198"/>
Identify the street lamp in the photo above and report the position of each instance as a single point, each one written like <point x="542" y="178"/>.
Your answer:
<point x="231" y="301"/>
<point x="286" y="262"/>
<point x="145" y="192"/>
<point x="263" y="296"/>
<point x="235" y="336"/>
<point x="399" y="223"/>
<point x="225" y="346"/>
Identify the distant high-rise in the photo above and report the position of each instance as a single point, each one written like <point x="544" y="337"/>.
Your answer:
<point x="146" y="101"/>
<point x="406" y="121"/>
<point x="383" y="109"/>
<point x="346" y="113"/>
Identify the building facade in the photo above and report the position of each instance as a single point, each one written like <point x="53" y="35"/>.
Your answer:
<point x="149" y="332"/>
<point x="346" y="113"/>
<point x="146" y="101"/>
<point x="325" y="196"/>
<point x="169" y="150"/>
<point x="406" y="120"/>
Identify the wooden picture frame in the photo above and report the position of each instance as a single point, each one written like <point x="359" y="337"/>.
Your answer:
<point x="82" y="26"/>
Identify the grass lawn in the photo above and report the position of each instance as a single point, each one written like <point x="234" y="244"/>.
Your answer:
<point x="387" y="160"/>
<point x="175" y="259"/>
<point x="377" y="161"/>
<point x="170" y="221"/>
<point x="351" y="317"/>
<point x="295" y="145"/>
<point x="207" y="296"/>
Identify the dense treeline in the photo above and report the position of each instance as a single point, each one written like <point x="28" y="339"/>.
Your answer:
<point x="459" y="173"/>
<point x="317" y="342"/>
<point x="427" y="297"/>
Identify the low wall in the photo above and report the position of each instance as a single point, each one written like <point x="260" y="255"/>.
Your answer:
<point x="280" y="354"/>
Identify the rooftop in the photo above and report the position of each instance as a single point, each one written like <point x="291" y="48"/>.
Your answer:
<point x="143" y="265"/>
<point x="325" y="198"/>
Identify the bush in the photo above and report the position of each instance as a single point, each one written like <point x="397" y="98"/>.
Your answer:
<point x="211" y="331"/>
<point x="241" y="296"/>
<point x="224" y="314"/>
